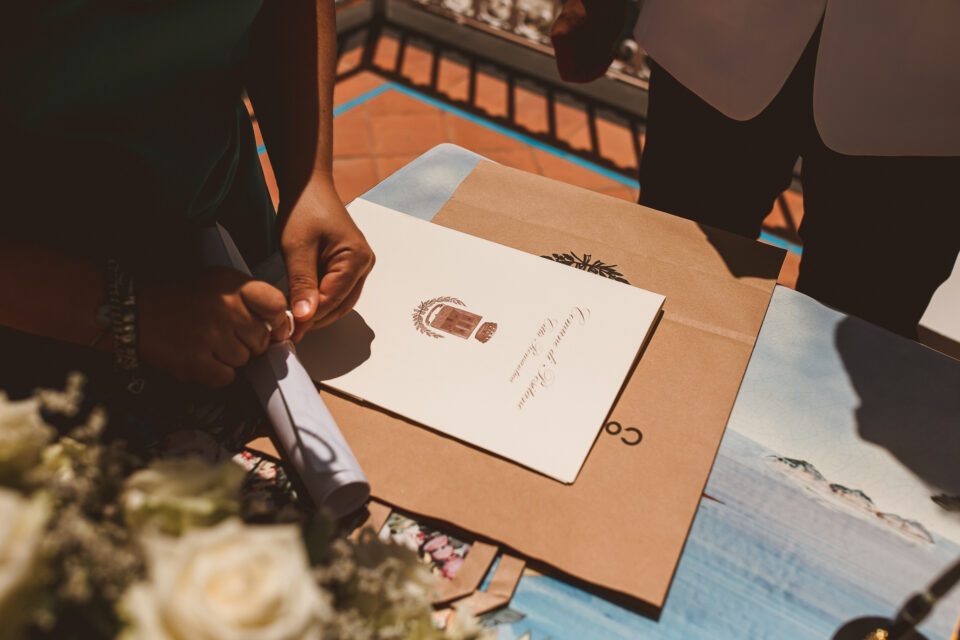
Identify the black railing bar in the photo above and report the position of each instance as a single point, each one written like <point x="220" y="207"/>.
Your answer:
<point x="523" y="61"/>
<point x="528" y="82"/>
<point x="401" y="52"/>
<point x="472" y="82"/>
<point x="795" y="184"/>
<point x="562" y="90"/>
<point x="358" y="18"/>
<point x="787" y="215"/>
<point x="355" y="18"/>
<point x="436" y="56"/>
<point x="551" y="113"/>
<point x="552" y="135"/>
<point x="621" y="115"/>
<point x="637" y="145"/>
<point x="562" y="145"/>
<point x="478" y="24"/>
<point x="592" y="128"/>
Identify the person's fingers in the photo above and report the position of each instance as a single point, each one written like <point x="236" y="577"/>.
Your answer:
<point x="212" y="373"/>
<point x="344" y="308"/>
<point x="341" y="280"/>
<point x="232" y="352"/>
<point x="302" y="274"/>
<point x="255" y="336"/>
<point x="269" y="304"/>
<point x="333" y="316"/>
<point x="262" y="299"/>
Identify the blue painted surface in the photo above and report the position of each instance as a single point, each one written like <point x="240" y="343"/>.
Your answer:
<point x="780" y="242"/>
<point x="422" y="187"/>
<point x="363" y="97"/>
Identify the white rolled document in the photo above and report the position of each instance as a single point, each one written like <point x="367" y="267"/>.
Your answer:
<point x="307" y="433"/>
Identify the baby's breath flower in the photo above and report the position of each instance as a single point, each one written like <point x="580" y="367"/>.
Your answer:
<point x="382" y="592"/>
<point x="66" y="402"/>
<point x="22" y="521"/>
<point x="23" y="435"/>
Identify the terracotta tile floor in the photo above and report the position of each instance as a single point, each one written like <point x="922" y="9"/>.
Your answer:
<point x="374" y="137"/>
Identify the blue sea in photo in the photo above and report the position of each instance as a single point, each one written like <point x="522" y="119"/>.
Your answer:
<point x="773" y="556"/>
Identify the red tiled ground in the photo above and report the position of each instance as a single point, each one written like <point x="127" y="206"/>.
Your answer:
<point x="374" y="139"/>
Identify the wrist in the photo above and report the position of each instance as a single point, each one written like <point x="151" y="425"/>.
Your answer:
<point x="122" y="302"/>
<point x="320" y="186"/>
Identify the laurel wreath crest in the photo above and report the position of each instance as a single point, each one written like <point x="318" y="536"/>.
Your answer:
<point x="588" y="264"/>
<point x="420" y="313"/>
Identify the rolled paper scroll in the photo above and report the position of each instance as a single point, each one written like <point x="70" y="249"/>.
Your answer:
<point x="304" y="428"/>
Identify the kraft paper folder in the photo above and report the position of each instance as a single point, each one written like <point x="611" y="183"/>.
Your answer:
<point x="622" y="525"/>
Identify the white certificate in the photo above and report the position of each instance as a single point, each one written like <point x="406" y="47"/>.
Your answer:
<point x="509" y="352"/>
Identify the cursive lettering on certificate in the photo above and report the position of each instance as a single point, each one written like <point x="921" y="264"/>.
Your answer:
<point x="542" y="379"/>
<point x="533" y="349"/>
<point x="554" y="333"/>
<point x="576" y="316"/>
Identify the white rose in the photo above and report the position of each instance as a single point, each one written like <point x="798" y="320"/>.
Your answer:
<point x="23" y="435"/>
<point x="231" y="581"/>
<point x="174" y="495"/>
<point x="22" y="522"/>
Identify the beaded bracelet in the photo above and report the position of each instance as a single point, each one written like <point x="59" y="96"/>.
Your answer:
<point x="122" y="303"/>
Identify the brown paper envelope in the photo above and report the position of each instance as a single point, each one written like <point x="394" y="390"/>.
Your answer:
<point x="377" y="515"/>
<point x="470" y="575"/>
<point x="622" y="525"/>
<point x="502" y="586"/>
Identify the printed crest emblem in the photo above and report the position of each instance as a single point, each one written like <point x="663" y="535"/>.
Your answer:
<point x="587" y="263"/>
<point x="448" y="315"/>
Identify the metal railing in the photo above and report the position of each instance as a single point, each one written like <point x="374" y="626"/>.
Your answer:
<point x="509" y="40"/>
<point x="528" y="22"/>
<point x="478" y="45"/>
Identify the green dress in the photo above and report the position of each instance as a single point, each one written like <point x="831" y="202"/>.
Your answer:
<point x="127" y="133"/>
<point x="128" y="127"/>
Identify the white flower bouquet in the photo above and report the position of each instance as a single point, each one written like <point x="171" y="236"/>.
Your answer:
<point x="96" y="543"/>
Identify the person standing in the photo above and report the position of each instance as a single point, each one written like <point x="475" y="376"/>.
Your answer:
<point x="867" y="94"/>
<point x="127" y="134"/>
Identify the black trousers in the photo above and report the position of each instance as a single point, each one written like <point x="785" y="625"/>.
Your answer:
<point x="880" y="234"/>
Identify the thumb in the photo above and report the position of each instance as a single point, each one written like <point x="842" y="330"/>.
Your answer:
<point x="264" y="300"/>
<point x="268" y="303"/>
<point x="302" y="274"/>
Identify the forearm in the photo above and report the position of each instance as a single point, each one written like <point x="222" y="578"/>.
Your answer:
<point x="290" y="82"/>
<point x="49" y="293"/>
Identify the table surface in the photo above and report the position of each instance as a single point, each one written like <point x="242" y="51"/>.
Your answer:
<point x="820" y="507"/>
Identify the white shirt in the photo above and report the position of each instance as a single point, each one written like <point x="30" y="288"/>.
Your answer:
<point x="888" y="71"/>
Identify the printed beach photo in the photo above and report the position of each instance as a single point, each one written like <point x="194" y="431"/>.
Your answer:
<point x="777" y="553"/>
<point x="833" y="498"/>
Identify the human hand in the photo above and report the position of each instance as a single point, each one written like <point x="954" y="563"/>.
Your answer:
<point x="584" y="35"/>
<point x="327" y="257"/>
<point x="203" y="329"/>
